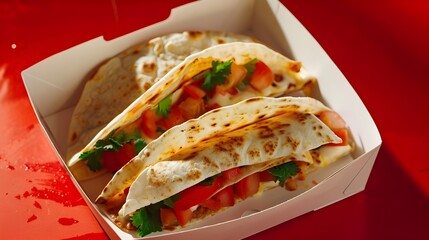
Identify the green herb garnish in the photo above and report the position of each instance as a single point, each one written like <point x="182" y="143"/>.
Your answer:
<point x="148" y="219"/>
<point x="164" y="106"/>
<point x="217" y="75"/>
<point x="139" y="144"/>
<point x="111" y="143"/>
<point x="250" y="67"/>
<point x="94" y="159"/>
<point x="282" y="172"/>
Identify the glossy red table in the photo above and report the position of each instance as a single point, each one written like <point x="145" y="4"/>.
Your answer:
<point x="381" y="46"/>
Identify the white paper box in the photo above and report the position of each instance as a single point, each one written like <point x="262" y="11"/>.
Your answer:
<point x="55" y="83"/>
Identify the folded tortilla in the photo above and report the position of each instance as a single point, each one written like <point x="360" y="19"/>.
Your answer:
<point x="272" y="139"/>
<point x="211" y="125"/>
<point x="289" y="77"/>
<point x="117" y="82"/>
<point x="254" y="134"/>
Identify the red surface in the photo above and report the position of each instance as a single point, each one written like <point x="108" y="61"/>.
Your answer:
<point x="381" y="46"/>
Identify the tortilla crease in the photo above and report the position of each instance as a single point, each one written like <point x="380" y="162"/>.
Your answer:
<point x="288" y="79"/>
<point x="117" y="82"/>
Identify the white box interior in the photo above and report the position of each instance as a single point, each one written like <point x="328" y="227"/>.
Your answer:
<point x="54" y="86"/>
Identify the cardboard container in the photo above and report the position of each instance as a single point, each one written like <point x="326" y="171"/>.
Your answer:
<point x="61" y="77"/>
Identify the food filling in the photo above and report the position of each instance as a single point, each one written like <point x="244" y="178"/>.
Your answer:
<point x="224" y="83"/>
<point x="226" y="188"/>
<point x="210" y="195"/>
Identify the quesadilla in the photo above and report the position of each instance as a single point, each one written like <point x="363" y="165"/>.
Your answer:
<point x="117" y="82"/>
<point x="231" y="153"/>
<point x="216" y="77"/>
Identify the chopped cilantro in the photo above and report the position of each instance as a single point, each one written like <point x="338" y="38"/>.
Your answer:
<point x="250" y="67"/>
<point x="132" y="136"/>
<point x="94" y="159"/>
<point x="139" y="144"/>
<point x="111" y="143"/>
<point x="148" y="219"/>
<point x="116" y="141"/>
<point x="282" y="172"/>
<point x="164" y="106"/>
<point x="217" y="75"/>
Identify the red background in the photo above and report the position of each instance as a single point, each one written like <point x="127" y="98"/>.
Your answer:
<point x="381" y="46"/>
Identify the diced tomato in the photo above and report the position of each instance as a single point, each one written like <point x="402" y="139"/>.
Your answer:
<point x="192" y="108"/>
<point x="175" y="117"/>
<point x="337" y="124"/>
<point x="265" y="176"/>
<point x="113" y="160"/>
<point x="225" y="197"/>
<point x="332" y="119"/>
<point x="211" y="204"/>
<point x="233" y="91"/>
<point x="148" y="124"/>
<point x="195" y="195"/>
<point x="127" y="152"/>
<point x="230" y="175"/>
<point x="262" y="77"/>
<point x="194" y="91"/>
<point x="238" y="73"/>
<point x="168" y="217"/>
<point x="343" y="134"/>
<point x="183" y="216"/>
<point x="247" y="187"/>
<point x="220" y="89"/>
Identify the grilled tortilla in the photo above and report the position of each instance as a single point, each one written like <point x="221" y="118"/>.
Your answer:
<point x="123" y="78"/>
<point x="253" y="135"/>
<point x="211" y="125"/>
<point x="287" y="76"/>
